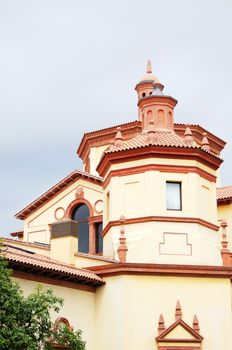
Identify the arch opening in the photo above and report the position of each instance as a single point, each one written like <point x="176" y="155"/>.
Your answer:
<point x="80" y="214"/>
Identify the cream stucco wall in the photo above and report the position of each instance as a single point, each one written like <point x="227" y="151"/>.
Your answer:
<point x="128" y="308"/>
<point x="95" y="155"/>
<point x="225" y="213"/>
<point x="145" y="194"/>
<point x="36" y="225"/>
<point x="166" y="243"/>
<point x="79" y="308"/>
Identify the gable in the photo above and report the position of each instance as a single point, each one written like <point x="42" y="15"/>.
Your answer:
<point x="179" y="332"/>
<point x="37" y="224"/>
<point x="56" y="190"/>
<point x="55" y="209"/>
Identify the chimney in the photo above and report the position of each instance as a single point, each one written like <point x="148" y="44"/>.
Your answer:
<point x="64" y="240"/>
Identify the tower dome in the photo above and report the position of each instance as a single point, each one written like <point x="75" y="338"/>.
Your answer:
<point x="149" y="76"/>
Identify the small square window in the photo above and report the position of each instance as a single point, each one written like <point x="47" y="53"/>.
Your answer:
<point x="173" y="195"/>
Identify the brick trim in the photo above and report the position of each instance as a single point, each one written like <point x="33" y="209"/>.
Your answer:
<point x="48" y="280"/>
<point x="76" y="202"/>
<point x="190" y="220"/>
<point x="162" y="270"/>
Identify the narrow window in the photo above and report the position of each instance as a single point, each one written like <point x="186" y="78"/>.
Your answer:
<point x="81" y="215"/>
<point x="108" y="206"/>
<point x="99" y="240"/>
<point x="173" y="195"/>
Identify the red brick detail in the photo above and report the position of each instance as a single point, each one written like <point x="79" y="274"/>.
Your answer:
<point x="18" y="234"/>
<point x="162" y="270"/>
<point x="75" y="203"/>
<point x="161" y="219"/>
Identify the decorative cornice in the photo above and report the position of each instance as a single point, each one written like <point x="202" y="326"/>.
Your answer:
<point x="104" y="136"/>
<point x="18" y="234"/>
<point x="154" y="99"/>
<point x="142" y="219"/>
<point x="197" y="154"/>
<point x="51" y="280"/>
<point x="159" y="167"/>
<point x="162" y="270"/>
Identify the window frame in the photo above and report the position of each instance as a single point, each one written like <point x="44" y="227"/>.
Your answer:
<point x="84" y="220"/>
<point x="180" y="195"/>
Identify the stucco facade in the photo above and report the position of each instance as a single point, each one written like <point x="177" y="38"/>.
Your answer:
<point x="137" y="241"/>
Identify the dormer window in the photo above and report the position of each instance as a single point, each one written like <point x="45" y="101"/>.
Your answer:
<point x="173" y="196"/>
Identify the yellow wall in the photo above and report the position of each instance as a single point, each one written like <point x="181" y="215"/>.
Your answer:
<point x="166" y="243"/>
<point x="128" y="308"/>
<point x="79" y="308"/>
<point x="94" y="157"/>
<point x="145" y="194"/>
<point x="36" y="225"/>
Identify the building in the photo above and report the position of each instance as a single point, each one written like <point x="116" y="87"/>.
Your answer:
<point x="135" y="243"/>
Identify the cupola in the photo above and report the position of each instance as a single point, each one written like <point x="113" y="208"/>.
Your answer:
<point x="145" y="86"/>
<point x="154" y="106"/>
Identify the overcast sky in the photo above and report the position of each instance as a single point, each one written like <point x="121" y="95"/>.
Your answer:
<point x="70" y="66"/>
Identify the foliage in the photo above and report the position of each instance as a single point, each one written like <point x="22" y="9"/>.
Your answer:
<point x="64" y="336"/>
<point x="25" y="322"/>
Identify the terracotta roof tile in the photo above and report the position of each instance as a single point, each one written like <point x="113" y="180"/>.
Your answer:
<point x="20" y="243"/>
<point x="224" y="193"/>
<point x="18" y="233"/>
<point x="165" y="139"/>
<point x="13" y="254"/>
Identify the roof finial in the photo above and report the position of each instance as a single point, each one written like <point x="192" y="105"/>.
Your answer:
<point x="161" y="325"/>
<point x="118" y="137"/>
<point x="178" y="313"/>
<point x="188" y="135"/>
<point x="196" y="327"/>
<point x="205" y="142"/>
<point x="224" y="241"/>
<point x="122" y="249"/>
<point x="149" y="67"/>
<point x="225" y="252"/>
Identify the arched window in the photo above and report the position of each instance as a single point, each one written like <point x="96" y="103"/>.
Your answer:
<point x="81" y="215"/>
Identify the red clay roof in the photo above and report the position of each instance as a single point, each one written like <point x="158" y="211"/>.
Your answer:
<point x="224" y="193"/>
<point x="165" y="139"/>
<point x="18" y="233"/>
<point x="56" y="189"/>
<point x="23" y="243"/>
<point x="14" y="254"/>
<point x="216" y="143"/>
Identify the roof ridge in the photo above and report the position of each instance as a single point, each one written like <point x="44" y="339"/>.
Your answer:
<point x="42" y="257"/>
<point x="112" y="127"/>
<point x="224" y="187"/>
<point x="54" y="190"/>
<point x="56" y="265"/>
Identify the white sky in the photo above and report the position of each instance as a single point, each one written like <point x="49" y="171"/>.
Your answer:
<point x="70" y="66"/>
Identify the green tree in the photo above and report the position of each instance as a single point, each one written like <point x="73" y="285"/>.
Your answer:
<point x="25" y="322"/>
